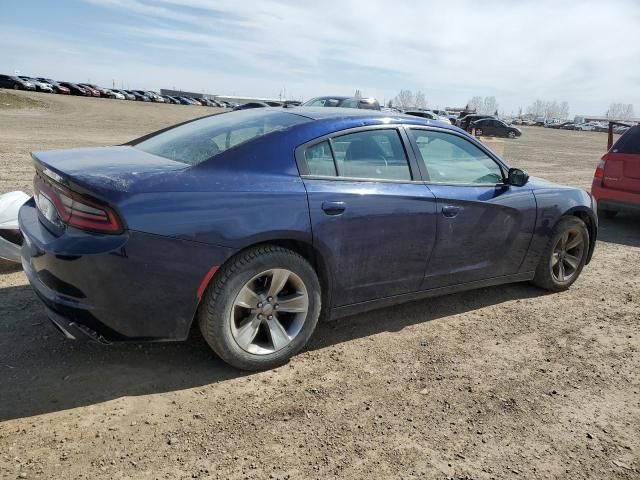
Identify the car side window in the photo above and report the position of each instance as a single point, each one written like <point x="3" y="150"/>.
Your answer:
<point x="320" y="160"/>
<point x="452" y="159"/>
<point x="369" y="154"/>
<point x="350" y="103"/>
<point x="376" y="154"/>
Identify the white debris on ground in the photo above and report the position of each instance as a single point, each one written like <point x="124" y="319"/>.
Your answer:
<point x="10" y="204"/>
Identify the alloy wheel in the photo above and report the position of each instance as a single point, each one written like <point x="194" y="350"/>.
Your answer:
<point x="269" y="311"/>
<point x="567" y="255"/>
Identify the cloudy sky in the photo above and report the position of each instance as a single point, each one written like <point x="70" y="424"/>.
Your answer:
<point x="584" y="52"/>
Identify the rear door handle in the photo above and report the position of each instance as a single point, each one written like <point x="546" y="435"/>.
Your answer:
<point x="333" y="208"/>
<point x="450" y="211"/>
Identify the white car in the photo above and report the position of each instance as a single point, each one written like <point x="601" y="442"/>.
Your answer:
<point x="40" y="86"/>
<point x="586" y="127"/>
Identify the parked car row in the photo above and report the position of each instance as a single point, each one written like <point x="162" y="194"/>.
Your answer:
<point x="48" y="85"/>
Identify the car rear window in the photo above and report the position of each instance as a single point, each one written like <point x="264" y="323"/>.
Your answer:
<point x="200" y="140"/>
<point x="629" y="142"/>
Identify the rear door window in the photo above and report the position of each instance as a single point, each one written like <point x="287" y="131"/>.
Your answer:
<point x="320" y="160"/>
<point x="369" y="154"/>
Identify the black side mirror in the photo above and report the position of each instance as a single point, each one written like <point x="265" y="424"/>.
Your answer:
<point x="517" y="177"/>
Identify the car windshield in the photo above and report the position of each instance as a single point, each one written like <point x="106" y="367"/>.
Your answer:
<point x="200" y="140"/>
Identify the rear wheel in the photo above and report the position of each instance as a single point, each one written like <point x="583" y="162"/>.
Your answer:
<point x="564" y="256"/>
<point x="261" y="308"/>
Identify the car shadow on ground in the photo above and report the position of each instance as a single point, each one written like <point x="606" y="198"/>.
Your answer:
<point x="624" y="229"/>
<point x="41" y="372"/>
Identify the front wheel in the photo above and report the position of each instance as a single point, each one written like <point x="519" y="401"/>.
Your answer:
<point x="478" y="132"/>
<point x="564" y="256"/>
<point x="511" y="134"/>
<point x="16" y="86"/>
<point x="261" y="308"/>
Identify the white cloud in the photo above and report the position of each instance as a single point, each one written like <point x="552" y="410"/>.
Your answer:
<point x="584" y="52"/>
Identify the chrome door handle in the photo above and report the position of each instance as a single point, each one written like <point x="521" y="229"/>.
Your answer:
<point x="450" y="211"/>
<point x="333" y="208"/>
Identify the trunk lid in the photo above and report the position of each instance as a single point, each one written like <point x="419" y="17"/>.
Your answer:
<point x="107" y="172"/>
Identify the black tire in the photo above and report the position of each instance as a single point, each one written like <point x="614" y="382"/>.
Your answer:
<point x="544" y="276"/>
<point x="478" y="132"/>
<point x="607" y="213"/>
<point x="214" y="314"/>
<point x="511" y="134"/>
<point x="16" y="86"/>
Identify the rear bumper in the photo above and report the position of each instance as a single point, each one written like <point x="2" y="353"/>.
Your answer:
<point x="609" y="199"/>
<point x="129" y="287"/>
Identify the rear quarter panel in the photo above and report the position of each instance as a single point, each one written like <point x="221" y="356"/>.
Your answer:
<point x="249" y="194"/>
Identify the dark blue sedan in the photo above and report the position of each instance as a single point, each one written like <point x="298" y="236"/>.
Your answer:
<point x="257" y="223"/>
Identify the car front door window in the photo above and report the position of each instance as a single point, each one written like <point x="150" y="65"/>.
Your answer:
<point x="452" y="159"/>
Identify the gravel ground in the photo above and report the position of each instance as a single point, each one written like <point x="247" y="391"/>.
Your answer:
<point x="503" y="382"/>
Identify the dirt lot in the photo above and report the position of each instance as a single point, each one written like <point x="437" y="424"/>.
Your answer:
<point x="505" y="382"/>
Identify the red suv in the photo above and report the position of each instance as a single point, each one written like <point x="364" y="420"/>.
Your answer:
<point x="616" y="182"/>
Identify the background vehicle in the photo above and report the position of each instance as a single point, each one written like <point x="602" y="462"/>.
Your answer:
<point x="170" y="100"/>
<point x="422" y="114"/>
<point x="492" y="127"/>
<point x="40" y="86"/>
<point x="125" y="94"/>
<point x="249" y="105"/>
<point x="616" y="181"/>
<point x="11" y="81"/>
<point x="104" y="92"/>
<point x="586" y="127"/>
<point x="94" y="92"/>
<point x="344" y="102"/>
<point x="465" y="122"/>
<point x="57" y="88"/>
<point x="75" y="89"/>
<point x="154" y="96"/>
<point x="255" y="255"/>
<point x="186" y="101"/>
<point x="140" y="97"/>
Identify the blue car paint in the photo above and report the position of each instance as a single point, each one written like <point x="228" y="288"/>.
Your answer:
<point x="392" y="242"/>
<point x="380" y="244"/>
<point x="480" y="218"/>
<point x="139" y="287"/>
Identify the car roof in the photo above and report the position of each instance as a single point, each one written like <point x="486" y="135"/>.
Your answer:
<point x="337" y="97"/>
<point x="353" y="117"/>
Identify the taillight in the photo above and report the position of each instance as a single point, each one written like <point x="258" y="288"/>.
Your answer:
<point x="58" y="204"/>
<point x="599" y="173"/>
